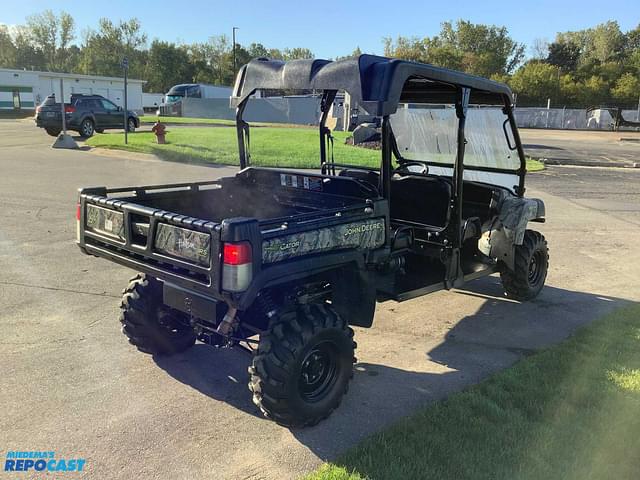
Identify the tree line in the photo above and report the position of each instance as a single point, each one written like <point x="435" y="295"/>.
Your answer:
<point x="595" y="66"/>
<point x="46" y="42"/>
<point x="598" y="65"/>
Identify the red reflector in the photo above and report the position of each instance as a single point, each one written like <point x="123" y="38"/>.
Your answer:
<point x="78" y="212"/>
<point x="69" y="109"/>
<point x="236" y="253"/>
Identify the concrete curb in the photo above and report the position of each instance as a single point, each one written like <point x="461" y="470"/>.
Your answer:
<point x="178" y="124"/>
<point x="150" y="157"/>
<point x="585" y="163"/>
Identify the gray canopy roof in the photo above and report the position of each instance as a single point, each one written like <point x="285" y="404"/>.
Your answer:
<point x="376" y="83"/>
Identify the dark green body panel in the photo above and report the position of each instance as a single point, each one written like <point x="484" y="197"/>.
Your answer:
<point x="105" y="221"/>
<point x="183" y="243"/>
<point x="366" y="234"/>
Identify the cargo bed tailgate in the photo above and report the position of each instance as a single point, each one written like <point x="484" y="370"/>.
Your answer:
<point x="173" y="247"/>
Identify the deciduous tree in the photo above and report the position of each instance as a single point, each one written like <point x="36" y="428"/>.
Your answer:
<point x="7" y="48"/>
<point x="475" y="48"/>
<point x="627" y="89"/>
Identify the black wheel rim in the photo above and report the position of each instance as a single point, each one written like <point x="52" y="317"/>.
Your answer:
<point x="536" y="268"/>
<point x="319" y="372"/>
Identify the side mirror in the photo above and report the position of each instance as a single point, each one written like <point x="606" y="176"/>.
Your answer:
<point x="119" y="108"/>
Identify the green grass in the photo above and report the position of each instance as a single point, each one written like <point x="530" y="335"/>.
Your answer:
<point x="270" y="147"/>
<point x="150" y="119"/>
<point x="571" y="411"/>
<point x="534" y="165"/>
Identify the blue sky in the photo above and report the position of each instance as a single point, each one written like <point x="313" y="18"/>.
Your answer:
<point x="330" y="28"/>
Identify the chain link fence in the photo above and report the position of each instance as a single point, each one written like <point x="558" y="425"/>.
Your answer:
<point x="570" y="118"/>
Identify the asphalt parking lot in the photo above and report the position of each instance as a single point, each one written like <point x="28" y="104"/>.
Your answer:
<point x="583" y="148"/>
<point x="72" y="384"/>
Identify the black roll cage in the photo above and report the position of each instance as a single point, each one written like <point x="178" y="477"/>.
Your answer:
<point x="389" y="146"/>
<point x="379" y="85"/>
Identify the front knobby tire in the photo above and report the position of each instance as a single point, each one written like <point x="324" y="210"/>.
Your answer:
<point x="303" y="365"/>
<point x="148" y="324"/>
<point x="531" y="264"/>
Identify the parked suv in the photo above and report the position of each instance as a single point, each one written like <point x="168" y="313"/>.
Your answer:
<point x="85" y="114"/>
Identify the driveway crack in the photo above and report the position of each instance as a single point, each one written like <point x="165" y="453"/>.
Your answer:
<point x="58" y="289"/>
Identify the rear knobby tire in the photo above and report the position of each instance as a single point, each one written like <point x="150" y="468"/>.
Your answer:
<point x="148" y="324"/>
<point x="303" y="365"/>
<point x="531" y="262"/>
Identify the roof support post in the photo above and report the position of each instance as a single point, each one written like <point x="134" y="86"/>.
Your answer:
<point x="462" y="105"/>
<point x="385" y="168"/>
<point x="325" y="106"/>
<point x="516" y="136"/>
<point x="242" y="130"/>
<point x="454" y="276"/>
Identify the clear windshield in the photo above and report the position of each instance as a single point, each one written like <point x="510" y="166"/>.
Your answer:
<point x="173" y="98"/>
<point x="428" y="132"/>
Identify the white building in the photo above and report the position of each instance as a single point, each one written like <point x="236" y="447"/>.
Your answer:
<point x="25" y="89"/>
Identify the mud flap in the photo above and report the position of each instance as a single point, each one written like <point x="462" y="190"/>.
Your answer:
<point x="354" y="296"/>
<point x="507" y="229"/>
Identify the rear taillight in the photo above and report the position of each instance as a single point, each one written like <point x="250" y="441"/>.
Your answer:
<point x="69" y="109"/>
<point x="237" y="266"/>
<point x="78" y="207"/>
<point x="236" y="253"/>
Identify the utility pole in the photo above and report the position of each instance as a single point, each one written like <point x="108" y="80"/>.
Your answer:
<point x="64" y="140"/>
<point x="64" y="119"/>
<point x="234" y="51"/>
<point x="125" y="67"/>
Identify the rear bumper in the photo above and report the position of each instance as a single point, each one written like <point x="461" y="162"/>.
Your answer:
<point x="44" y="122"/>
<point x="139" y="263"/>
<point x="48" y="123"/>
<point x="191" y="303"/>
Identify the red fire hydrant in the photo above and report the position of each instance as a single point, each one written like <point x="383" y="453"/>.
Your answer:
<point x="160" y="131"/>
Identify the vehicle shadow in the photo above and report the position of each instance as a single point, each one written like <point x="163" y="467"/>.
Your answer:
<point x="170" y="156"/>
<point x="218" y="373"/>
<point x="499" y="333"/>
<point x="535" y="146"/>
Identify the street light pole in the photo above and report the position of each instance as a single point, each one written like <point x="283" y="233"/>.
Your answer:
<point x="125" y="67"/>
<point x="234" y="51"/>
